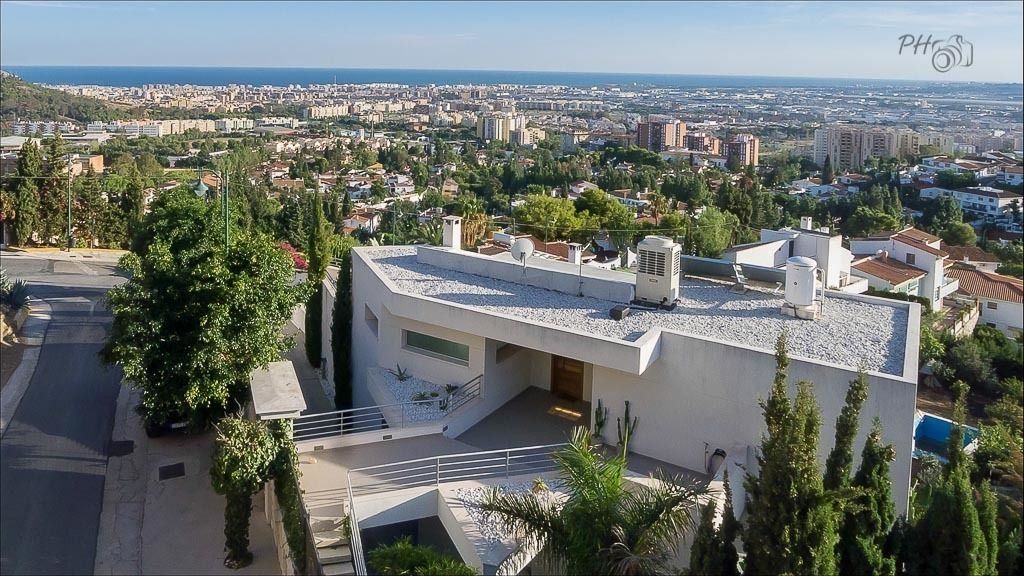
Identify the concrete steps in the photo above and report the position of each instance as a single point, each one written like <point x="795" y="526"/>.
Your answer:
<point x="333" y="551"/>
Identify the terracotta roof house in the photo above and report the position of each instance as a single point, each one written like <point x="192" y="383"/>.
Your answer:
<point x="972" y="256"/>
<point x="999" y="297"/>
<point x="913" y="249"/>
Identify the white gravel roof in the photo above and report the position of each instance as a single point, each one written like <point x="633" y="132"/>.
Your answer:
<point x="849" y="333"/>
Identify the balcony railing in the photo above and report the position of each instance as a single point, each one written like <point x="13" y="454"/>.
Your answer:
<point x="380" y="417"/>
<point x="452" y="468"/>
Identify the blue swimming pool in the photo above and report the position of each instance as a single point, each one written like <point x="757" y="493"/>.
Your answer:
<point x="931" y="433"/>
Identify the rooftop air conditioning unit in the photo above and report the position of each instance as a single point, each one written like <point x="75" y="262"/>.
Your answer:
<point x="657" y="271"/>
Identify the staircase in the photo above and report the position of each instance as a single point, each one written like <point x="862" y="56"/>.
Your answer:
<point x="333" y="551"/>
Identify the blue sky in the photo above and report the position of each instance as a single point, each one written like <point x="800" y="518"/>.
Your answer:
<point x="824" y="39"/>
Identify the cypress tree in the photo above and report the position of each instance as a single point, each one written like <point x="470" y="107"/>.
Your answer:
<point x="346" y="205"/>
<point x="791" y="522"/>
<point x="987" y="523"/>
<point x="837" y="467"/>
<point x="341" y="335"/>
<point x="827" y="171"/>
<point x="26" y="193"/>
<point x="727" y="533"/>
<point x="319" y="256"/>
<point x="704" y="553"/>
<point x="948" y="538"/>
<point x="867" y="523"/>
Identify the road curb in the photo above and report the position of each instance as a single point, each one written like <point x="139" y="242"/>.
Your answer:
<point x="11" y="395"/>
<point x="33" y="334"/>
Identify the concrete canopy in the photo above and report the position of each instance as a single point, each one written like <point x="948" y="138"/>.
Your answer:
<point x="276" y="393"/>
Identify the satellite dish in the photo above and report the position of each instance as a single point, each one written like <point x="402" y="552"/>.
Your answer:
<point x="522" y="249"/>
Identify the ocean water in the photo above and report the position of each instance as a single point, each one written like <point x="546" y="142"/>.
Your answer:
<point x="137" y="76"/>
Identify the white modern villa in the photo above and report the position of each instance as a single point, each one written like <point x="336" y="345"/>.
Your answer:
<point x="533" y="345"/>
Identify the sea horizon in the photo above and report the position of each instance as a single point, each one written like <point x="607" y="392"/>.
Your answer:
<point x="137" y="76"/>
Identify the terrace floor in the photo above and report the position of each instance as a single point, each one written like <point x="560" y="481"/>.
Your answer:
<point x="533" y="418"/>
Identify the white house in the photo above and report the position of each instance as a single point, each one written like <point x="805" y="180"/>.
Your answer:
<point x="977" y="200"/>
<point x="692" y="372"/>
<point x="908" y="261"/>
<point x="999" y="297"/>
<point x="826" y="249"/>
<point x="1012" y="175"/>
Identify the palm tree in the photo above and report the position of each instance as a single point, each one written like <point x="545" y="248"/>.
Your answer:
<point x="601" y="527"/>
<point x="659" y="206"/>
<point x="428" y="233"/>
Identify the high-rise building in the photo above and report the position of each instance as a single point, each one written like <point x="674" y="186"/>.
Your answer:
<point x="703" y="142"/>
<point x="660" y="135"/>
<point x="847" y="147"/>
<point x="498" y="126"/>
<point x="746" y="148"/>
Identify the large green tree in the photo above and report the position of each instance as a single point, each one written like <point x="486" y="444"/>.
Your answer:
<point x="244" y="454"/>
<point x="26" y="184"/>
<point x="603" y="525"/>
<point x="194" y="319"/>
<point x="869" y="517"/>
<point x="840" y="460"/>
<point x="791" y="520"/>
<point x="53" y="193"/>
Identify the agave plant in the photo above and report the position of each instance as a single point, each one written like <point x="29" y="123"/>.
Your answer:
<point x="13" y="295"/>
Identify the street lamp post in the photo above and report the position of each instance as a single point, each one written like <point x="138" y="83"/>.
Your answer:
<point x="71" y="242"/>
<point x="202" y="190"/>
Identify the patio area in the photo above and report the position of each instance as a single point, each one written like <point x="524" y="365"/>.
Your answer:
<point x="533" y="418"/>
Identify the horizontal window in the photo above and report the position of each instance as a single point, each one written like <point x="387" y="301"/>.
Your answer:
<point x="437" y="347"/>
<point x="992" y="305"/>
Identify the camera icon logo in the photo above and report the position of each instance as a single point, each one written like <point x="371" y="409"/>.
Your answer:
<point x="952" y="52"/>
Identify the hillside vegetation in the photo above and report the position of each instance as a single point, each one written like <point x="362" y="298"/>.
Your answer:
<point x="21" y="99"/>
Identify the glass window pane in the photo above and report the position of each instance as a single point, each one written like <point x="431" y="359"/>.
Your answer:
<point x="437" y="346"/>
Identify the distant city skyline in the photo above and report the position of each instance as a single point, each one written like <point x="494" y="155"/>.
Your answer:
<point x="793" y="39"/>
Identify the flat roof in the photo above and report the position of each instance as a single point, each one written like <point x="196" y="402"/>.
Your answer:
<point x="851" y="332"/>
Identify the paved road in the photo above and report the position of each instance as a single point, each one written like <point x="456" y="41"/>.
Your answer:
<point x="53" y="456"/>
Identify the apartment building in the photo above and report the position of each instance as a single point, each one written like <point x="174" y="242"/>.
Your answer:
<point x="978" y="201"/>
<point x="744" y="148"/>
<point x="658" y="134"/>
<point x="910" y="261"/>
<point x="703" y="142"/>
<point x="498" y="126"/>
<point x="234" y="124"/>
<point x="849" y="146"/>
<point x="42" y="128"/>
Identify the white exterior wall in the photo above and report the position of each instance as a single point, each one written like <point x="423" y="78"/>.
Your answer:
<point x="768" y="255"/>
<point x="1008" y="316"/>
<point x="692" y="396"/>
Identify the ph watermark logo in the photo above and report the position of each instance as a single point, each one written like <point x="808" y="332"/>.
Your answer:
<point x="947" y="53"/>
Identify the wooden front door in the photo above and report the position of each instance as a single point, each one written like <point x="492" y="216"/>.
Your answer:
<point x="567" y="378"/>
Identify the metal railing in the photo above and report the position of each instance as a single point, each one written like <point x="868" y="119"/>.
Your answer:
<point x="355" y="540"/>
<point x="452" y="468"/>
<point x="381" y="417"/>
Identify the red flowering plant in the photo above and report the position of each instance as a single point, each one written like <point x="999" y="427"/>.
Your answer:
<point x="297" y="258"/>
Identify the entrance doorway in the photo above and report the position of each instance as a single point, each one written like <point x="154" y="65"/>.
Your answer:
<point x="567" y="378"/>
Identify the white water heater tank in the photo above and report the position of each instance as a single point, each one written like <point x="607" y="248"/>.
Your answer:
<point x="800" y="282"/>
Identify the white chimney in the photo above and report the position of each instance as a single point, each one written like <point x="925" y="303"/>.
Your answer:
<point x="575" y="253"/>
<point x="806" y="223"/>
<point x="451" y="236"/>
